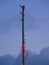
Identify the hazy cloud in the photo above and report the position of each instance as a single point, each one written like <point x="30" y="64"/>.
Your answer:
<point x="33" y="22"/>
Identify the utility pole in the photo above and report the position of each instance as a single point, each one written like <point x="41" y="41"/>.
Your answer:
<point x="23" y="43"/>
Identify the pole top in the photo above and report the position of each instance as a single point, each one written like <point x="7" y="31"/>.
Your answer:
<point x="22" y="6"/>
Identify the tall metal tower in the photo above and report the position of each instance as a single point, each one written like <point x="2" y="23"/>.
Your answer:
<point x="23" y="43"/>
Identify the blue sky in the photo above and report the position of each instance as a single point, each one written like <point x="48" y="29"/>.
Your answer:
<point x="36" y="25"/>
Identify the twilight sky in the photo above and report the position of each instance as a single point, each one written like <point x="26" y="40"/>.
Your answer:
<point x="36" y="25"/>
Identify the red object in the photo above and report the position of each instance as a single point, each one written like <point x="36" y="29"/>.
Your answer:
<point x="23" y="54"/>
<point x="23" y="48"/>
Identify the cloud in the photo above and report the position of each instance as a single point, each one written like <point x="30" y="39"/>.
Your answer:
<point x="7" y="15"/>
<point x="34" y="59"/>
<point x="31" y="58"/>
<point x="33" y="22"/>
<point x="45" y="52"/>
<point x="5" y="25"/>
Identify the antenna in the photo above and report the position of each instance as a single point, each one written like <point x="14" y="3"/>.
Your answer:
<point x="23" y="43"/>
